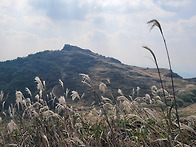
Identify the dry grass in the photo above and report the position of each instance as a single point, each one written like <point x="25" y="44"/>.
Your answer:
<point x="135" y="121"/>
<point x="188" y="111"/>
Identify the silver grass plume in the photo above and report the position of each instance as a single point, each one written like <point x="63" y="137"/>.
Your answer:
<point x="37" y="97"/>
<point x="61" y="83"/>
<point x="154" y="23"/>
<point x="102" y="87"/>
<point x="28" y="91"/>
<point x="11" y="110"/>
<point x="86" y="80"/>
<point x="62" y="101"/>
<point x="122" y="98"/>
<point x="138" y="90"/>
<point x="3" y="104"/>
<point x="106" y="99"/>
<point x="75" y="95"/>
<point x="19" y="98"/>
<point x="1" y="96"/>
<point x="120" y="92"/>
<point x="44" y="83"/>
<point x="133" y="92"/>
<point x="12" y="126"/>
<point x="66" y="92"/>
<point x="39" y="83"/>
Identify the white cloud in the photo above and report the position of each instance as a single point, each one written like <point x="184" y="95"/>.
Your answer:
<point x="5" y="18"/>
<point x="13" y="5"/>
<point x="110" y="27"/>
<point x="188" y="24"/>
<point x="174" y="3"/>
<point x="39" y="22"/>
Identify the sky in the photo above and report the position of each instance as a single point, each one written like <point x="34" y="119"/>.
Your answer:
<point x="113" y="28"/>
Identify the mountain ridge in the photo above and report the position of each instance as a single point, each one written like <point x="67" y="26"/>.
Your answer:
<point x="66" y="64"/>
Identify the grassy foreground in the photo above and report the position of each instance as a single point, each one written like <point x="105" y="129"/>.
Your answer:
<point x="45" y="120"/>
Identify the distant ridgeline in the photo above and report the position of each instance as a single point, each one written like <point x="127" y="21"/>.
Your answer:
<point x="67" y="64"/>
<point x="68" y="47"/>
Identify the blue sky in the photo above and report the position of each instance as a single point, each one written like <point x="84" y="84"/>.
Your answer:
<point x="115" y="28"/>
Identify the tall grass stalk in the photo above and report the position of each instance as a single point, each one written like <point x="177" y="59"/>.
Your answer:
<point x="163" y="90"/>
<point x="155" y="23"/>
<point x="158" y="70"/>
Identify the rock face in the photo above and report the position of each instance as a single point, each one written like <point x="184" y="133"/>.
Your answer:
<point x="68" y="63"/>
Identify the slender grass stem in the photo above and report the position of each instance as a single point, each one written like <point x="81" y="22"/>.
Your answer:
<point x="164" y="96"/>
<point x="154" y="23"/>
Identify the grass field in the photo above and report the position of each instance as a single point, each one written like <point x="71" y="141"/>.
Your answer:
<point x="44" y="120"/>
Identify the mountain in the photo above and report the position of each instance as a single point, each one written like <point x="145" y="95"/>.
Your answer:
<point x="66" y="64"/>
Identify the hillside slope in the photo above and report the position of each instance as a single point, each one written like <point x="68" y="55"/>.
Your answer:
<point x="68" y="63"/>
